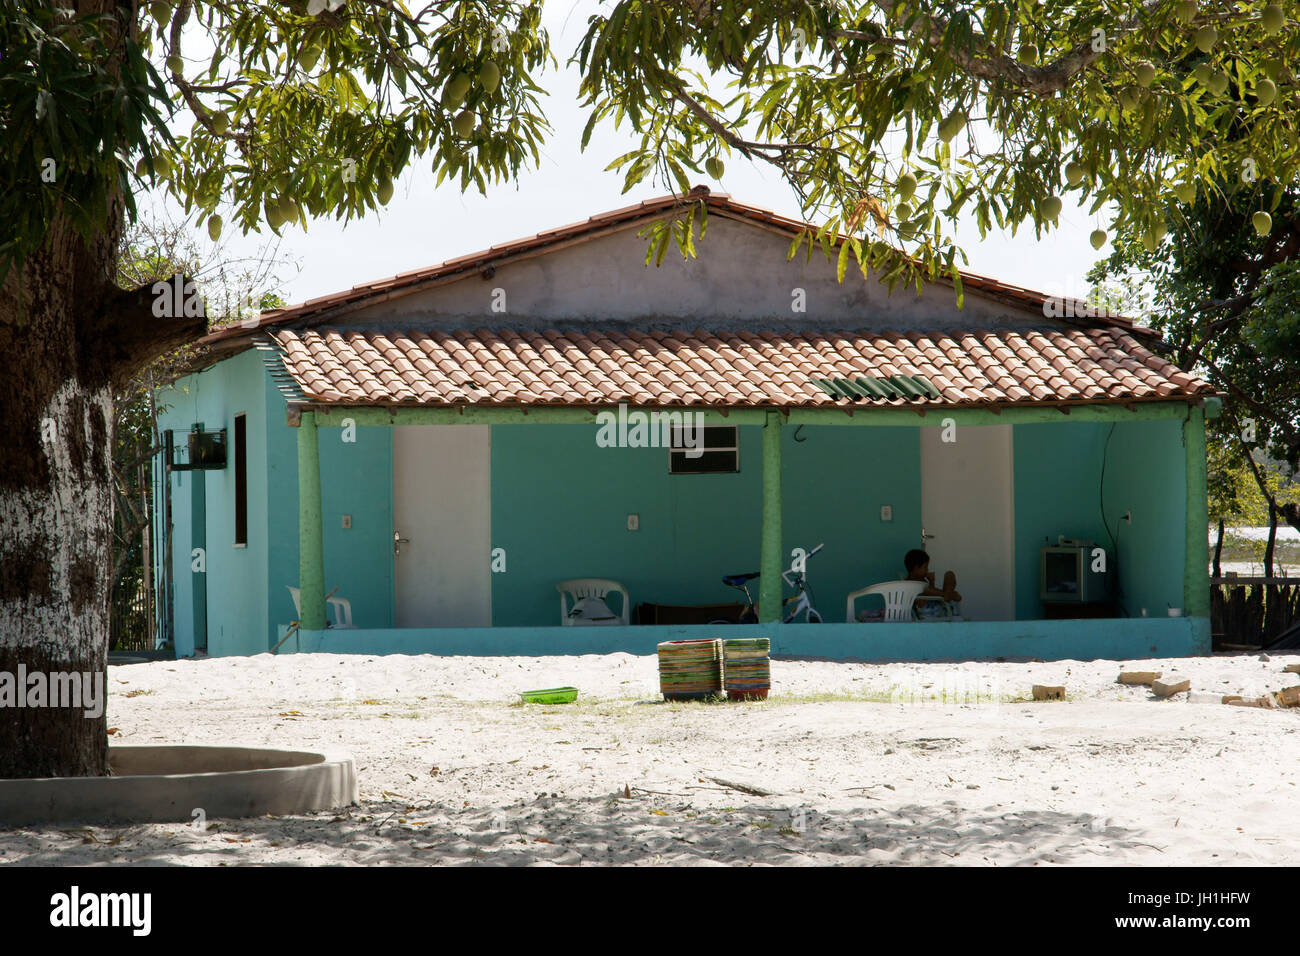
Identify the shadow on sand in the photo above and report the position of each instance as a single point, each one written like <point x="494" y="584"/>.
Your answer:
<point x="645" y="829"/>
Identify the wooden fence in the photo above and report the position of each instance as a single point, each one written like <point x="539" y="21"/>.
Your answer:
<point x="1251" y="612"/>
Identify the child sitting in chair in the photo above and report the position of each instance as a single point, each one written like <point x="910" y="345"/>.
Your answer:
<point x="917" y="563"/>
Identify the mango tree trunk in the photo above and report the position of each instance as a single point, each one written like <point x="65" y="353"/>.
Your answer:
<point x="69" y="337"/>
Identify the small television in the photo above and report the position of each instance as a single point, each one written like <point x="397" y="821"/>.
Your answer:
<point x="207" y="451"/>
<point x="1066" y="574"/>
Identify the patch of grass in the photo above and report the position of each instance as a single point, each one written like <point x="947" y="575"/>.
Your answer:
<point x="894" y="695"/>
<point x="830" y="697"/>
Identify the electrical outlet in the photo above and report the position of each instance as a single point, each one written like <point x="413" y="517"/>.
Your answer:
<point x="633" y="522"/>
<point x="886" y="512"/>
<point x="347" y="521"/>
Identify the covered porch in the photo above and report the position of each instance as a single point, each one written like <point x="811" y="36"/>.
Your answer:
<point x="988" y="486"/>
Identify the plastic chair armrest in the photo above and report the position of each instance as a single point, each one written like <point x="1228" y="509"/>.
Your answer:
<point x="848" y="607"/>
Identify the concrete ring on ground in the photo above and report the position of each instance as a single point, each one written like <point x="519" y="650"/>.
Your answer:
<point x="167" y="784"/>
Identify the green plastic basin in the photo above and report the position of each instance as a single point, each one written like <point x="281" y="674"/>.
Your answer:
<point x="553" y="695"/>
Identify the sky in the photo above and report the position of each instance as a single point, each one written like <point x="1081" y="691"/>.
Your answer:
<point x="423" y="225"/>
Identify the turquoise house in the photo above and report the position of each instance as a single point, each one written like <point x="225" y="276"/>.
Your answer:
<point x="442" y="448"/>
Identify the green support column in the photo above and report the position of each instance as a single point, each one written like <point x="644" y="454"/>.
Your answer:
<point x="1196" y="579"/>
<point x="311" y="551"/>
<point x="772" y="563"/>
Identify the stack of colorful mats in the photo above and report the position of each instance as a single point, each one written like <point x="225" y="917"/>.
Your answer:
<point x="690" y="670"/>
<point x="747" y="675"/>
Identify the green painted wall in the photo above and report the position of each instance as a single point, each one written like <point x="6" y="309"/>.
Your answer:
<point x="1058" y="491"/>
<point x="359" y="560"/>
<point x="836" y="480"/>
<point x="560" y="505"/>
<point x="1145" y="475"/>
<point x="247" y="599"/>
<point x="236" y="576"/>
<point x="1126" y="639"/>
<point x="356" y="479"/>
<point x="1058" y="476"/>
<point x="198" y="569"/>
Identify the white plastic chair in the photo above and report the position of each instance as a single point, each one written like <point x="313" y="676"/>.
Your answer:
<point x="342" y="607"/>
<point x="898" y="596"/>
<point x="582" y="588"/>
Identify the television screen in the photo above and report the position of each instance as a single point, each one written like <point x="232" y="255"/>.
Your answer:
<point x="207" y="450"/>
<point x="1061" y="572"/>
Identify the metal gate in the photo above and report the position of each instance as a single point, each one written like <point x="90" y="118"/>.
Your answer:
<point x="141" y="587"/>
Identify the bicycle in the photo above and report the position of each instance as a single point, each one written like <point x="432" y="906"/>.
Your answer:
<point x="801" y="601"/>
<point x="741" y="583"/>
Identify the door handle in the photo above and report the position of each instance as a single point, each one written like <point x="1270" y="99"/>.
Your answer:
<point x="398" y="541"/>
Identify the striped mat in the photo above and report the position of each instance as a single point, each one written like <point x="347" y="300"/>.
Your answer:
<point x="747" y="673"/>
<point x="690" y="670"/>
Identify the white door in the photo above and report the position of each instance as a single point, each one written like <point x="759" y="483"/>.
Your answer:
<point x="966" y="512"/>
<point x="442" y="508"/>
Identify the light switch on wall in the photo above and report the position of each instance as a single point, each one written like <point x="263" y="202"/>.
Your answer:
<point x="347" y="521"/>
<point x="633" y="522"/>
<point x="886" y="512"/>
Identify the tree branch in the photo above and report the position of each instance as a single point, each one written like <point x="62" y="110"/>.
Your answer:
<point x="125" y="334"/>
<point x="187" y="91"/>
<point x="1039" y="80"/>
<point x="1235" y="307"/>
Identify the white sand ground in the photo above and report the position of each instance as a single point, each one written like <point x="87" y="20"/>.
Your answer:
<point x="865" y="763"/>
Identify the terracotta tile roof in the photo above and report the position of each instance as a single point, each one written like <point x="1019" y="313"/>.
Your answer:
<point x="322" y="308"/>
<point x="743" y="367"/>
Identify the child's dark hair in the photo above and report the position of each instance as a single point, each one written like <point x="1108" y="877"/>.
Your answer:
<point x="914" y="559"/>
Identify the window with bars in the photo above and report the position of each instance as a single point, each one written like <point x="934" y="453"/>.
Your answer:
<point x="712" y="450"/>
